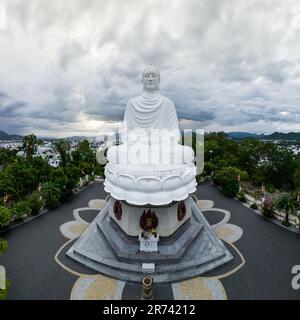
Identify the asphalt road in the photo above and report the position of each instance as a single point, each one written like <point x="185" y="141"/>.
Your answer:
<point x="269" y="250"/>
<point x="29" y="260"/>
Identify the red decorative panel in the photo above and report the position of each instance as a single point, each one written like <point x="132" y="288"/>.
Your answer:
<point x="181" y="210"/>
<point x="118" y="209"/>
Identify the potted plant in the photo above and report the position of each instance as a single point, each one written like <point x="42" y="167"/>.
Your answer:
<point x="268" y="208"/>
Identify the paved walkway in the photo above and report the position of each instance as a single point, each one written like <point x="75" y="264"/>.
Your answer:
<point x="269" y="252"/>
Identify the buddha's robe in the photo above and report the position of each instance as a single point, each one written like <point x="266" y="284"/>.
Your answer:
<point x="151" y="133"/>
<point x="150" y="111"/>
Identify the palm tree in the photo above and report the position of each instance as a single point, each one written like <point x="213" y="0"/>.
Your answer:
<point x="288" y="203"/>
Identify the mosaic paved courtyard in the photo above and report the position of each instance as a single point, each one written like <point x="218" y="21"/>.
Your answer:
<point x="264" y="254"/>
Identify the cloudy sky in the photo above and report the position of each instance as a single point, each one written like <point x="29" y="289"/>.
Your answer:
<point x="69" y="67"/>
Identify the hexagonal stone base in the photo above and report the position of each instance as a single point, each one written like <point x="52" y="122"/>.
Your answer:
<point x="192" y="250"/>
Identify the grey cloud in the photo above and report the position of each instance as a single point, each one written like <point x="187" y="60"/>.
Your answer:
<point x="70" y="53"/>
<point x="223" y="63"/>
<point x="195" y="114"/>
<point x="3" y="95"/>
<point x="12" y="109"/>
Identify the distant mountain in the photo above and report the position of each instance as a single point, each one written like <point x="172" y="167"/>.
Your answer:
<point x="6" y="136"/>
<point x="291" y="136"/>
<point x="76" y="138"/>
<point x="236" y="135"/>
<point x="242" y="135"/>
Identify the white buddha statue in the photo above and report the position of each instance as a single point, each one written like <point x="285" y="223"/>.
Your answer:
<point x="151" y="110"/>
<point x="150" y="130"/>
<point x="150" y="166"/>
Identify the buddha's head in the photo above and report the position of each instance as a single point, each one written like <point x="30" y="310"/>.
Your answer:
<point x="150" y="78"/>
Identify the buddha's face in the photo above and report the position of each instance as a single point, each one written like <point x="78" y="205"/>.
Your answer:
<point x="151" y="79"/>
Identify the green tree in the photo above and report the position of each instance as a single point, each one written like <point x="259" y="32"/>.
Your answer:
<point x="20" y="209"/>
<point x="35" y="203"/>
<point x="18" y="179"/>
<point x="7" y="156"/>
<point x="5" y="216"/>
<point x="41" y="169"/>
<point x="99" y="170"/>
<point x="84" y="157"/>
<point x="52" y="194"/>
<point x="208" y="168"/>
<point x="220" y="150"/>
<point x="287" y="203"/>
<point x="227" y="178"/>
<point x="231" y="173"/>
<point x="30" y="143"/>
<point x="277" y="166"/>
<point x="72" y="174"/>
<point x="230" y="188"/>
<point x="63" y="148"/>
<point x="249" y="155"/>
<point x="296" y="177"/>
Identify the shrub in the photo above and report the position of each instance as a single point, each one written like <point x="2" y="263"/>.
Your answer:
<point x="254" y="206"/>
<point x="231" y="188"/>
<point x="20" y="209"/>
<point x="3" y="246"/>
<point x="224" y="175"/>
<point x="99" y="170"/>
<point x="257" y="194"/>
<point x="208" y="168"/>
<point x="52" y="194"/>
<point x="227" y="178"/>
<point x="35" y="203"/>
<point x="5" y="216"/>
<point x="52" y="202"/>
<point x="68" y="189"/>
<point x="241" y="196"/>
<point x="198" y="178"/>
<point x="270" y="188"/>
<point x="268" y="208"/>
<point x="3" y="293"/>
